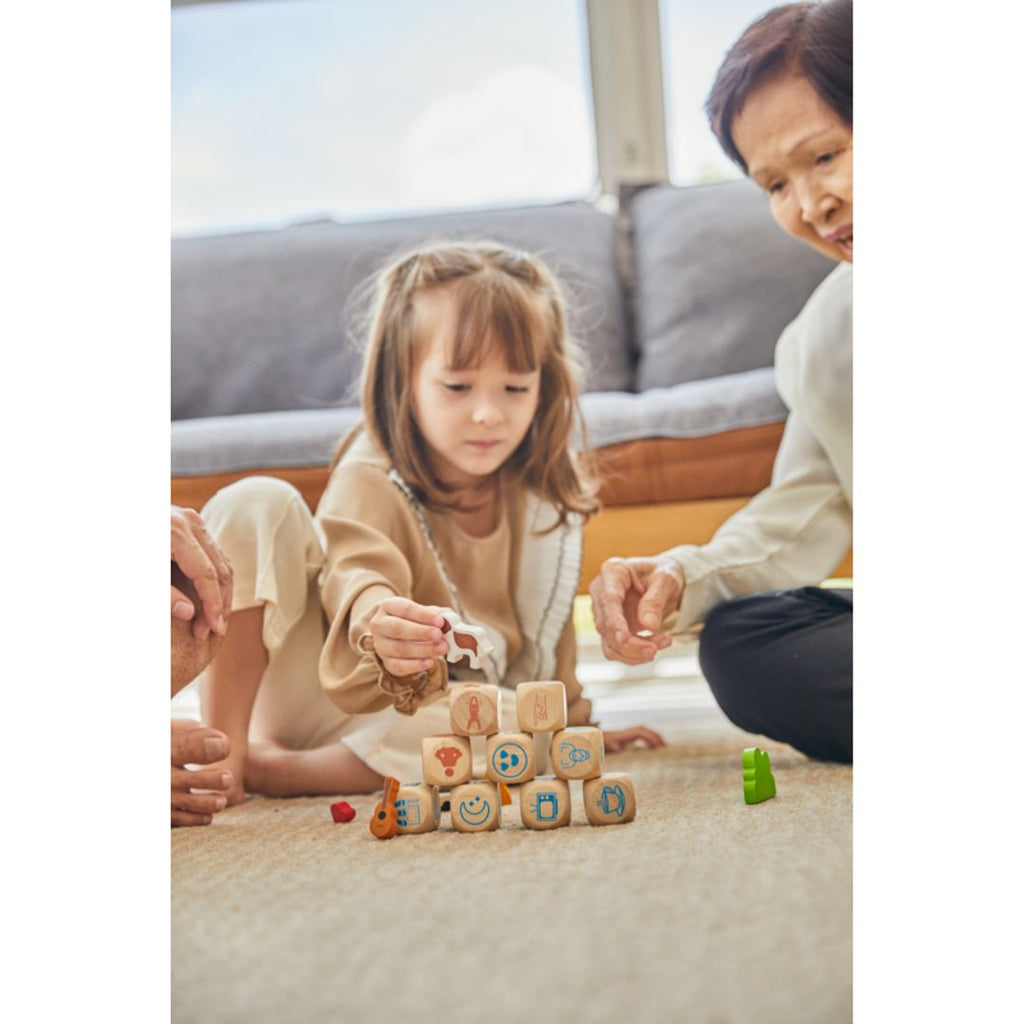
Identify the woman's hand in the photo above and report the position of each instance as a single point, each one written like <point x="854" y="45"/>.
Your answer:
<point x="407" y="636"/>
<point x="632" y="595"/>
<point x="197" y="555"/>
<point x="618" y="739"/>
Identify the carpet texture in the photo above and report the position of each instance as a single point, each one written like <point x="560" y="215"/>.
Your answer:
<point x="703" y="909"/>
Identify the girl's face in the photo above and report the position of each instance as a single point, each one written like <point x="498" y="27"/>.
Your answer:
<point x="472" y="419"/>
<point x="800" y="152"/>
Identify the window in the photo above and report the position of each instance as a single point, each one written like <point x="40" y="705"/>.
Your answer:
<point x="297" y="110"/>
<point x="695" y="37"/>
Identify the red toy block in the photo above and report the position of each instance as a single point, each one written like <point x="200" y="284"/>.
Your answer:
<point x="342" y="811"/>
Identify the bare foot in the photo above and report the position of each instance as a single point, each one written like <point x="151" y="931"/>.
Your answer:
<point x="235" y="765"/>
<point x="193" y="743"/>
<point x="266" y="761"/>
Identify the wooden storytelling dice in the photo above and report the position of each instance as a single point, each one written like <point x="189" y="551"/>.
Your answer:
<point x="418" y="806"/>
<point x="610" y="799"/>
<point x="475" y="807"/>
<point x="511" y="758"/>
<point x="475" y="709"/>
<point x="541" y="706"/>
<point x="447" y="761"/>
<point x="544" y="803"/>
<point x="577" y="752"/>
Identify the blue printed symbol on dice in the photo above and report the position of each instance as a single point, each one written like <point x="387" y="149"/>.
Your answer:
<point x="612" y="801"/>
<point x="509" y="760"/>
<point x="546" y="807"/>
<point x="408" y="812"/>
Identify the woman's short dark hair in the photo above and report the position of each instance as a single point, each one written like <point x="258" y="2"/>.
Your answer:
<point x="814" y="40"/>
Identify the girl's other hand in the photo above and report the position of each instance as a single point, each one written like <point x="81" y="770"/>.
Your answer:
<point x="619" y="739"/>
<point x="407" y="636"/>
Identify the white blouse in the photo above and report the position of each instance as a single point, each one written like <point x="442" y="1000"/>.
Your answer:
<point x="797" y="530"/>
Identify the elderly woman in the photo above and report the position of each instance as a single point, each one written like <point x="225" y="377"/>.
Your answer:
<point x="775" y="649"/>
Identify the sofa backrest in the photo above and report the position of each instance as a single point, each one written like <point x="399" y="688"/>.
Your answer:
<point x="687" y="284"/>
<point x="716" y="281"/>
<point x="259" y="320"/>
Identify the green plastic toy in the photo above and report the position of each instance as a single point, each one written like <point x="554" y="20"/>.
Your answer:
<point x="758" y="781"/>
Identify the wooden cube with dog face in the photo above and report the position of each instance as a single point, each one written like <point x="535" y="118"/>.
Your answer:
<point x="475" y="709"/>
<point x="541" y="706"/>
<point x="447" y="761"/>
<point x="578" y="752"/>
<point x="475" y="807"/>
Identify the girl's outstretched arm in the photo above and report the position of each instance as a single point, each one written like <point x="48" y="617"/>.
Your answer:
<point x="377" y="555"/>
<point x="407" y="636"/>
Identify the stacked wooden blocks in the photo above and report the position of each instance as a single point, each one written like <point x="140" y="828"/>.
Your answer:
<point x="577" y="753"/>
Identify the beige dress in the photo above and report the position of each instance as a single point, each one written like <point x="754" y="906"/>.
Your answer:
<point x="321" y="578"/>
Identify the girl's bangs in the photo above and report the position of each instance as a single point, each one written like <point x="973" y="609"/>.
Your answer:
<point x="494" y="311"/>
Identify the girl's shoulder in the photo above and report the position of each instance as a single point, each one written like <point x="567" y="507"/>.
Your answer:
<point x="358" y="480"/>
<point x="359" y="449"/>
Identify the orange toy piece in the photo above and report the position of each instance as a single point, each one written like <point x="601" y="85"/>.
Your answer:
<point x="384" y="823"/>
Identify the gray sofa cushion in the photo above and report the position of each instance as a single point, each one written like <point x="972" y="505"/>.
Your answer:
<point x="716" y="281"/>
<point x="248" y="441"/>
<point x="227" y="444"/>
<point x="258" y="319"/>
<point x="692" y="409"/>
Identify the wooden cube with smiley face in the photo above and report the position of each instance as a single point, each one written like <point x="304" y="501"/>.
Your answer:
<point x="511" y="758"/>
<point x="475" y="807"/>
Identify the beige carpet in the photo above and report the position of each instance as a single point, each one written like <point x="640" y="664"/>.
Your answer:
<point x="703" y="909"/>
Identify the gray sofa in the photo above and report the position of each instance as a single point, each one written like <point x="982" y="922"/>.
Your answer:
<point x="678" y="299"/>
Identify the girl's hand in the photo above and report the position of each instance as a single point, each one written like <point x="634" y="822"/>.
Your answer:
<point x="619" y="739"/>
<point x="407" y="636"/>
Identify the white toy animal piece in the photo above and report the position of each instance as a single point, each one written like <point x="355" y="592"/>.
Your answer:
<point x="464" y="640"/>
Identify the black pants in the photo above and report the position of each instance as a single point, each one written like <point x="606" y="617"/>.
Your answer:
<point x="781" y="664"/>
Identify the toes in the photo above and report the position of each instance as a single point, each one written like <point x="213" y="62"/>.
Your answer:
<point x="180" y="818"/>
<point x="202" y="804"/>
<point x="194" y="743"/>
<point x="183" y="779"/>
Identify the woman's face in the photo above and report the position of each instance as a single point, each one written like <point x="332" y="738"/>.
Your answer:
<point x="800" y="152"/>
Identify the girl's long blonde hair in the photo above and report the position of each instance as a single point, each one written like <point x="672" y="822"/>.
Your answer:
<point x="502" y="296"/>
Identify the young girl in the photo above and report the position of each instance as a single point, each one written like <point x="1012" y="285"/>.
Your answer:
<point x="459" y="490"/>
